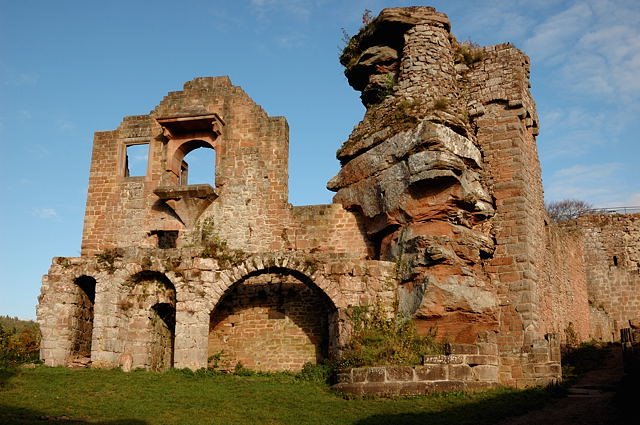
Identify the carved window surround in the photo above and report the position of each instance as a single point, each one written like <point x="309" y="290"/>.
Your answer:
<point x="184" y="134"/>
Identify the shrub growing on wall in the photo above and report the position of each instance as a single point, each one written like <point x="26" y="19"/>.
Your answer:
<point x="380" y="340"/>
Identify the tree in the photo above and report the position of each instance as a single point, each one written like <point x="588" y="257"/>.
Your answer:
<point x="567" y="209"/>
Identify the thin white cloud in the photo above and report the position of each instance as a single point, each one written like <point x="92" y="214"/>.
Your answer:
<point x="594" y="48"/>
<point x="44" y="213"/>
<point x="633" y="200"/>
<point x="571" y="132"/>
<point x="65" y="125"/>
<point x="23" y="114"/>
<point x="489" y="22"/>
<point x="291" y="41"/>
<point x="299" y="9"/>
<point x="553" y="37"/>
<point x="592" y="183"/>
<point x="584" y="172"/>
<point x="141" y="158"/>
<point x="38" y="150"/>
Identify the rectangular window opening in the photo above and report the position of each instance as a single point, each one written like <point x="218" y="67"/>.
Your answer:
<point x="136" y="160"/>
<point x="167" y="239"/>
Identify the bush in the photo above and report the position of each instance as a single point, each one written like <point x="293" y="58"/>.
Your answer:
<point x="316" y="372"/>
<point x="469" y="53"/>
<point x="379" y="340"/>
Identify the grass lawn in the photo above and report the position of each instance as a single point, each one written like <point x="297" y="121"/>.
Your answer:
<point x="34" y="396"/>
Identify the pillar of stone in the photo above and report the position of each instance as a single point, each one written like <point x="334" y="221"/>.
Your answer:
<point x="191" y="339"/>
<point x="427" y="70"/>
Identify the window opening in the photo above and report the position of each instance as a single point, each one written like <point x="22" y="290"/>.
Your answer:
<point x="199" y="167"/>
<point x="167" y="239"/>
<point x="615" y="260"/>
<point x="136" y="160"/>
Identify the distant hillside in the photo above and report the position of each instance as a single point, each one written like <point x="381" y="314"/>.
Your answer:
<point x="15" y="325"/>
<point x="19" y="341"/>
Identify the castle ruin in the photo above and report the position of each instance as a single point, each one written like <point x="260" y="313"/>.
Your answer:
<point x="438" y="216"/>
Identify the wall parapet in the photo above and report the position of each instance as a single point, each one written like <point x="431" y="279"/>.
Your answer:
<point x="454" y="372"/>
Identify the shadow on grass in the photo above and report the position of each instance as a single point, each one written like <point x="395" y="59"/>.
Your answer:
<point x="21" y="416"/>
<point x="6" y="373"/>
<point x="506" y="403"/>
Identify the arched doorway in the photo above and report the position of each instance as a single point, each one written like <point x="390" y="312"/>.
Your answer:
<point x="274" y="319"/>
<point x="82" y="320"/>
<point x="149" y="307"/>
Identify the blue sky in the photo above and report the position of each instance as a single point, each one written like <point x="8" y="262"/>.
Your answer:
<point x="69" y="68"/>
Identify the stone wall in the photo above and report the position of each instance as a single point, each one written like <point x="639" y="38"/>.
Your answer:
<point x="612" y="245"/>
<point x="593" y="276"/>
<point x="150" y="301"/>
<point x="468" y="368"/>
<point x="564" y="299"/>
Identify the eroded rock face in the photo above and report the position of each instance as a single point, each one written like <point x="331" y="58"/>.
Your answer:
<point x="415" y="171"/>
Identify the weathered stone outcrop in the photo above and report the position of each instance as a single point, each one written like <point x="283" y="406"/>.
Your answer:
<point x="415" y="170"/>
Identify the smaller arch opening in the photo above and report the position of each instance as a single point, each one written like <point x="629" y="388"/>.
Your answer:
<point x="82" y="321"/>
<point x="163" y="332"/>
<point x="199" y="167"/>
<point x="150" y="275"/>
<point x="149" y="311"/>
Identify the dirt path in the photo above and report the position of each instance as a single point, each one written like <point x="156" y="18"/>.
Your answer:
<point x="590" y="400"/>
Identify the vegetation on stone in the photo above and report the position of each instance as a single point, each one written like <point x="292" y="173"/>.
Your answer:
<point x="217" y="248"/>
<point x="469" y="53"/>
<point x="108" y="258"/>
<point x="377" y="339"/>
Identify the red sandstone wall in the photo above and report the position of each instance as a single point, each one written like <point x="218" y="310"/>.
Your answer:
<point x="250" y="213"/>
<point x="614" y="288"/>
<point x="585" y="290"/>
<point x="564" y="299"/>
<point x="326" y="228"/>
<point x="506" y="128"/>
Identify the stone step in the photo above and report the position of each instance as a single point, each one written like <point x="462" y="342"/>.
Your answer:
<point x="80" y="362"/>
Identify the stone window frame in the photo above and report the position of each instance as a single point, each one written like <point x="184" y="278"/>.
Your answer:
<point x="122" y="157"/>
<point x="184" y="147"/>
<point x="184" y="134"/>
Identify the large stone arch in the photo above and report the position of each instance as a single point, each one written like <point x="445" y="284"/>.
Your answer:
<point x="273" y="313"/>
<point x="301" y="265"/>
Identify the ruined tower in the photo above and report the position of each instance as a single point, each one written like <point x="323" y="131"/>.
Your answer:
<point x="438" y="217"/>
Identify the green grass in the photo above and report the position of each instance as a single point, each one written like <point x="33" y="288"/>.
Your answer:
<point x="30" y="396"/>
